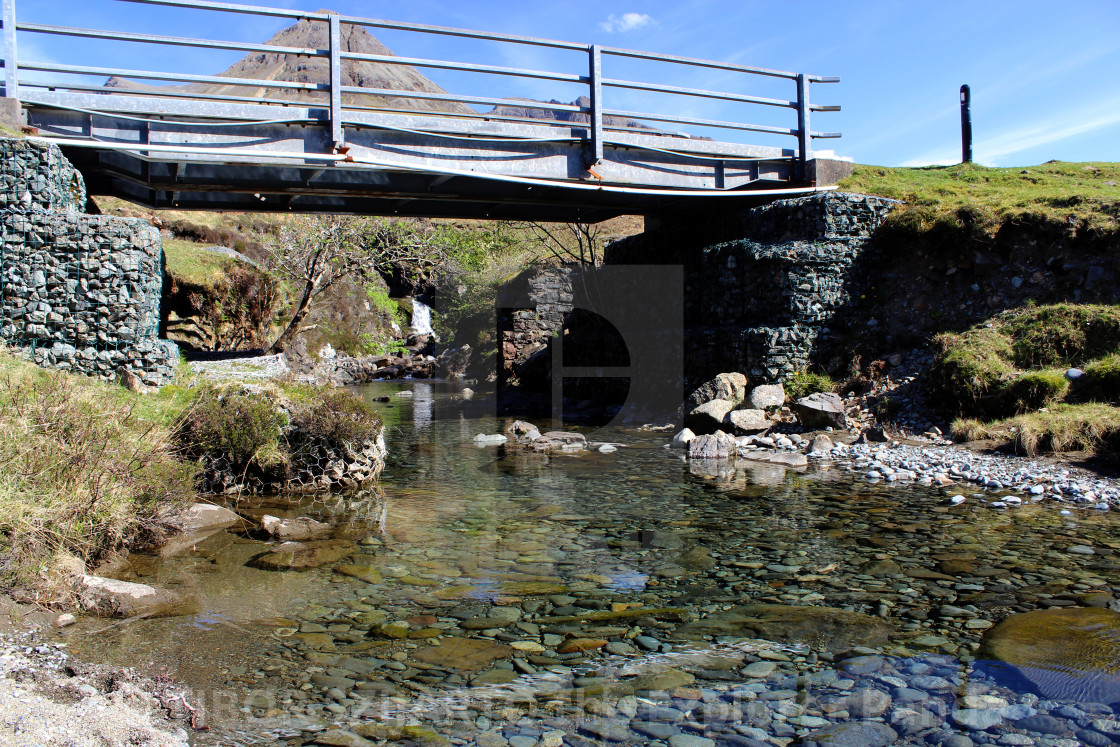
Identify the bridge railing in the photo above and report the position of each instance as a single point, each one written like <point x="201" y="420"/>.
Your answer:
<point x="592" y="116"/>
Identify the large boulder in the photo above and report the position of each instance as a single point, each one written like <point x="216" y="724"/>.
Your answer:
<point x="716" y="445"/>
<point x="708" y="417"/>
<point x="767" y="397"/>
<point x="729" y="386"/>
<point x="454" y="362"/>
<point x="1070" y="654"/>
<point x="111" y="598"/>
<point x="745" y="422"/>
<point x="820" y="410"/>
<point x="826" y="628"/>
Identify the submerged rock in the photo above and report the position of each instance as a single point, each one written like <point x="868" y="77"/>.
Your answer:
<point x="201" y="516"/>
<point x="463" y="654"/>
<point x="300" y="528"/>
<point x="826" y="628"/>
<point x="1068" y="654"/>
<point x="112" y="598"/>
<point x="851" y="734"/>
<point x="299" y="556"/>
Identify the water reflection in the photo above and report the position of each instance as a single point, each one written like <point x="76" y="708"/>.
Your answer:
<point x="573" y="575"/>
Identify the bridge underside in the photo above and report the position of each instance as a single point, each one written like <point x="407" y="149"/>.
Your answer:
<point x="198" y="155"/>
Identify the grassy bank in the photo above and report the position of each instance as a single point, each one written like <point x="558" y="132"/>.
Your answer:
<point x="85" y="469"/>
<point x="1079" y="196"/>
<point x="1010" y="273"/>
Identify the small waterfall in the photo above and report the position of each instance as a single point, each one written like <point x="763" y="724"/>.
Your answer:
<point x="421" y="318"/>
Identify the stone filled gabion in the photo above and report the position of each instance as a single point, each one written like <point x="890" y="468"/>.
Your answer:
<point x="758" y="304"/>
<point x="79" y="292"/>
<point x="35" y="176"/>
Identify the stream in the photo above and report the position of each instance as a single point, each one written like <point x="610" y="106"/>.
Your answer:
<point x="497" y="596"/>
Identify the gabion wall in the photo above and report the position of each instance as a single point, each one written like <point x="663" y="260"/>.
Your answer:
<point x="79" y="292"/>
<point x="760" y="285"/>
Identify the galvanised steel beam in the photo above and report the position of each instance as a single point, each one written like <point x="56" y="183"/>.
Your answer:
<point x="227" y="148"/>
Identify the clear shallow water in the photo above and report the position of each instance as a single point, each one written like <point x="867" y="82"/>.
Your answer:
<point x="617" y="549"/>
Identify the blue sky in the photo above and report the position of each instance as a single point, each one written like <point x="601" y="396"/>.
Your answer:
<point x="1045" y="78"/>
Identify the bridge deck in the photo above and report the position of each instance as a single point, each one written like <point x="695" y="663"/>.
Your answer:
<point x="178" y="148"/>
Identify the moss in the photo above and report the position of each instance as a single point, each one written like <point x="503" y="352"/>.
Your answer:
<point x="804" y="383"/>
<point x="1033" y="391"/>
<point x="1101" y="382"/>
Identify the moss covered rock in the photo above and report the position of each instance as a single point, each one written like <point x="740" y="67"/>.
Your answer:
<point x="1070" y="654"/>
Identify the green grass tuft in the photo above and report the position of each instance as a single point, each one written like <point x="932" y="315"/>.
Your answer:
<point x="804" y="383"/>
<point x="1101" y="382"/>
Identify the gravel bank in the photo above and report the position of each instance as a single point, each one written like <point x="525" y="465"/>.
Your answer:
<point x="46" y="698"/>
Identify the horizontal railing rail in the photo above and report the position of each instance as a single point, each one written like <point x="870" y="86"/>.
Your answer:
<point x="594" y="118"/>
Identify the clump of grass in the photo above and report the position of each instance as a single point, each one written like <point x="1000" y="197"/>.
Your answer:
<point x="804" y="383"/>
<point x="969" y="429"/>
<point x="1015" y="362"/>
<point x="972" y="365"/>
<point x="80" y="472"/>
<point x="1101" y="382"/>
<point x="1085" y="427"/>
<point x="265" y="435"/>
<point x="1033" y="391"/>
<point x="968" y="199"/>
<point x="338" y="418"/>
<point x="242" y="429"/>
<point x="1062" y="334"/>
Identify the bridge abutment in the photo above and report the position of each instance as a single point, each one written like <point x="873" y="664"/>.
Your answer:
<point x="79" y="292"/>
<point x="761" y="286"/>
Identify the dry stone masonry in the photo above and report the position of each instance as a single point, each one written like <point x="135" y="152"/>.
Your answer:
<point x="760" y="290"/>
<point x="78" y="292"/>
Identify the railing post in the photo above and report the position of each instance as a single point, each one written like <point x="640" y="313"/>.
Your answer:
<point x="594" y="153"/>
<point x="338" y="137"/>
<point x="11" y="61"/>
<point x="804" y="136"/>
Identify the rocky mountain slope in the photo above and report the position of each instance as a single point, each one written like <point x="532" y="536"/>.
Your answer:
<point x="295" y="68"/>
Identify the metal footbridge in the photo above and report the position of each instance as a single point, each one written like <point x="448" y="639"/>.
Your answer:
<point x="322" y="141"/>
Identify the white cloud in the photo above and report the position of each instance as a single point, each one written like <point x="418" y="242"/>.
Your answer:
<point x="993" y="150"/>
<point x="625" y="22"/>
